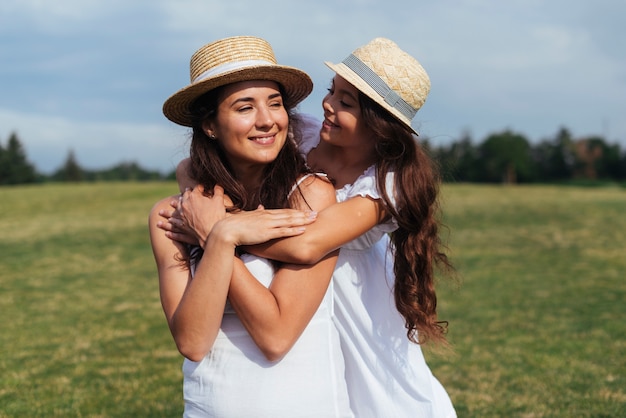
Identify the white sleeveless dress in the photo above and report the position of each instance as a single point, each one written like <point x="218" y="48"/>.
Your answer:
<point x="386" y="374"/>
<point x="236" y="380"/>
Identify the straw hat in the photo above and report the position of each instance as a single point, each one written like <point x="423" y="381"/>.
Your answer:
<point x="389" y="76"/>
<point x="229" y="60"/>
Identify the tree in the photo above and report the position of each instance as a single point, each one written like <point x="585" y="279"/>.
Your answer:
<point x="71" y="170"/>
<point x="600" y="160"/>
<point x="506" y="158"/>
<point x="555" y="160"/>
<point x="14" y="166"/>
<point x="458" y="161"/>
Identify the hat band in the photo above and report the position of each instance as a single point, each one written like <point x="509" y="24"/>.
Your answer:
<point x="378" y="84"/>
<point x="228" y="67"/>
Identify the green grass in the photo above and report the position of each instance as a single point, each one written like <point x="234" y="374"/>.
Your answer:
<point x="83" y="334"/>
<point x="537" y="322"/>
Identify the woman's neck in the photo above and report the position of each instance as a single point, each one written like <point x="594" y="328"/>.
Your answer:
<point x="250" y="177"/>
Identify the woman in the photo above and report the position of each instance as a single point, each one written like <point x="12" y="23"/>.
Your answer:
<point x="387" y="226"/>
<point x="257" y="336"/>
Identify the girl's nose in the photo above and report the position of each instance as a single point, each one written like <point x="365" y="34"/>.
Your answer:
<point x="326" y="105"/>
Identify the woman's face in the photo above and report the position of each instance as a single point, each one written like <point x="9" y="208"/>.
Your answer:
<point x="343" y="125"/>
<point x="251" y="124"/>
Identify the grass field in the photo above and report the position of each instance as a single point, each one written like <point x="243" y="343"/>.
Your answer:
<point x="537" y="320"/>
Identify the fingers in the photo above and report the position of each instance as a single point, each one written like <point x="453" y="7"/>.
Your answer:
<point x="171" y="224"/>
<point x="166" y="213"/>
<point x="184" y="238"/>
<point x="286" y="232"/>
<point x="218" y="191"/>
<point x="291" y="217"/>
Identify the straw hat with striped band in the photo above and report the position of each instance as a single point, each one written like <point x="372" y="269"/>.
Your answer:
<point x="389" y="76"/>
<point x="229" y="60"/>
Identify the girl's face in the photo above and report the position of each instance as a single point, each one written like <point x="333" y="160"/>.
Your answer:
<point x="343" y="125"/>
<point x="251" y="123"/>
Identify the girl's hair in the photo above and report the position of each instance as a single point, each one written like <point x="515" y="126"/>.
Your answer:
<point x="418" y="250"/>
<point x="209" y="165"/>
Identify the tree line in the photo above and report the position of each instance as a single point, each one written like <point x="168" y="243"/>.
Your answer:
<point x="16" y="169"/>
<point x="502" y="157"/>
<point x="508" y="157"/>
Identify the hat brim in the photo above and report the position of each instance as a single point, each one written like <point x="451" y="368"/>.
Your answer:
<point x="351" y="77"/>
<point x="297" y="86"/>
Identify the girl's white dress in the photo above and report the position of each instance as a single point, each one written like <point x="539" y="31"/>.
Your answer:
<point x="235" y="380"/>
<point x="387" y="375"/>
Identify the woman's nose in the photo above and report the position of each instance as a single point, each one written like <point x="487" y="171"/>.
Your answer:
<point x="264" y="117"/>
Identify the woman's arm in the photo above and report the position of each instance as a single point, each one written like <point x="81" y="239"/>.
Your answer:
<point x="194" y="306"/>
<point x="192" y="326"/>
<point x="189" y="218"/>
<point x="276" y="317"/>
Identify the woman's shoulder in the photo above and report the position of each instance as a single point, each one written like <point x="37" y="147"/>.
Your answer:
<point x="166" y="201"/>
<point x="163" y="204"/>
<point x="316" y="190"/>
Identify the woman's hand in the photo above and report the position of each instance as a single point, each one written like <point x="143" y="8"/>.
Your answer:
<point x="262" y="225"/>
<point x="195" y="214"/>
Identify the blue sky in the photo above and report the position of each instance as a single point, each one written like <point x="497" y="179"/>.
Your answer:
<point x="91" y="75"/>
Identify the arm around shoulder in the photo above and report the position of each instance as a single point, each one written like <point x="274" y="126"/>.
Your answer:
<point x="335" y="226"/>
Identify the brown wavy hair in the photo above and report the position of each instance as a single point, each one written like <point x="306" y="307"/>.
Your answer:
<point x="418" y="248"/>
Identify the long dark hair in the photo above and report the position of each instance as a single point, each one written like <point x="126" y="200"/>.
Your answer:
<point x="418" y="249"/>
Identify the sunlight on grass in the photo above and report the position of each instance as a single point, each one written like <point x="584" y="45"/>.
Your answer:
<point x="536" y="320"/>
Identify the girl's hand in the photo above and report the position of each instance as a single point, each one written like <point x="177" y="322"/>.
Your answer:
<point x="174" y="226"/>
<point x="197" y="212"/>
<point x="193" y="215"/>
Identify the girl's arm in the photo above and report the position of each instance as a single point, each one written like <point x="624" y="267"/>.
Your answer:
<point x="335" y="226"/>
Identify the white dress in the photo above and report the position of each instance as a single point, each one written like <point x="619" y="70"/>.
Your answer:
<point x="236" y="380"/>
<point x="387" y="375"/>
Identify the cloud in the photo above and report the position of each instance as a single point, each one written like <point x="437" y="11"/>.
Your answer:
<point x="102" y="69"/>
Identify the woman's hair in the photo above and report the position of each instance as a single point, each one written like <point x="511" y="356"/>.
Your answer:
<point x="209" y="165"/>
<point x="418" y="250"/>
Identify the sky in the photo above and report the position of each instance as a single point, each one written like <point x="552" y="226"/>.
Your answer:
<point x="90" y="76"/>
